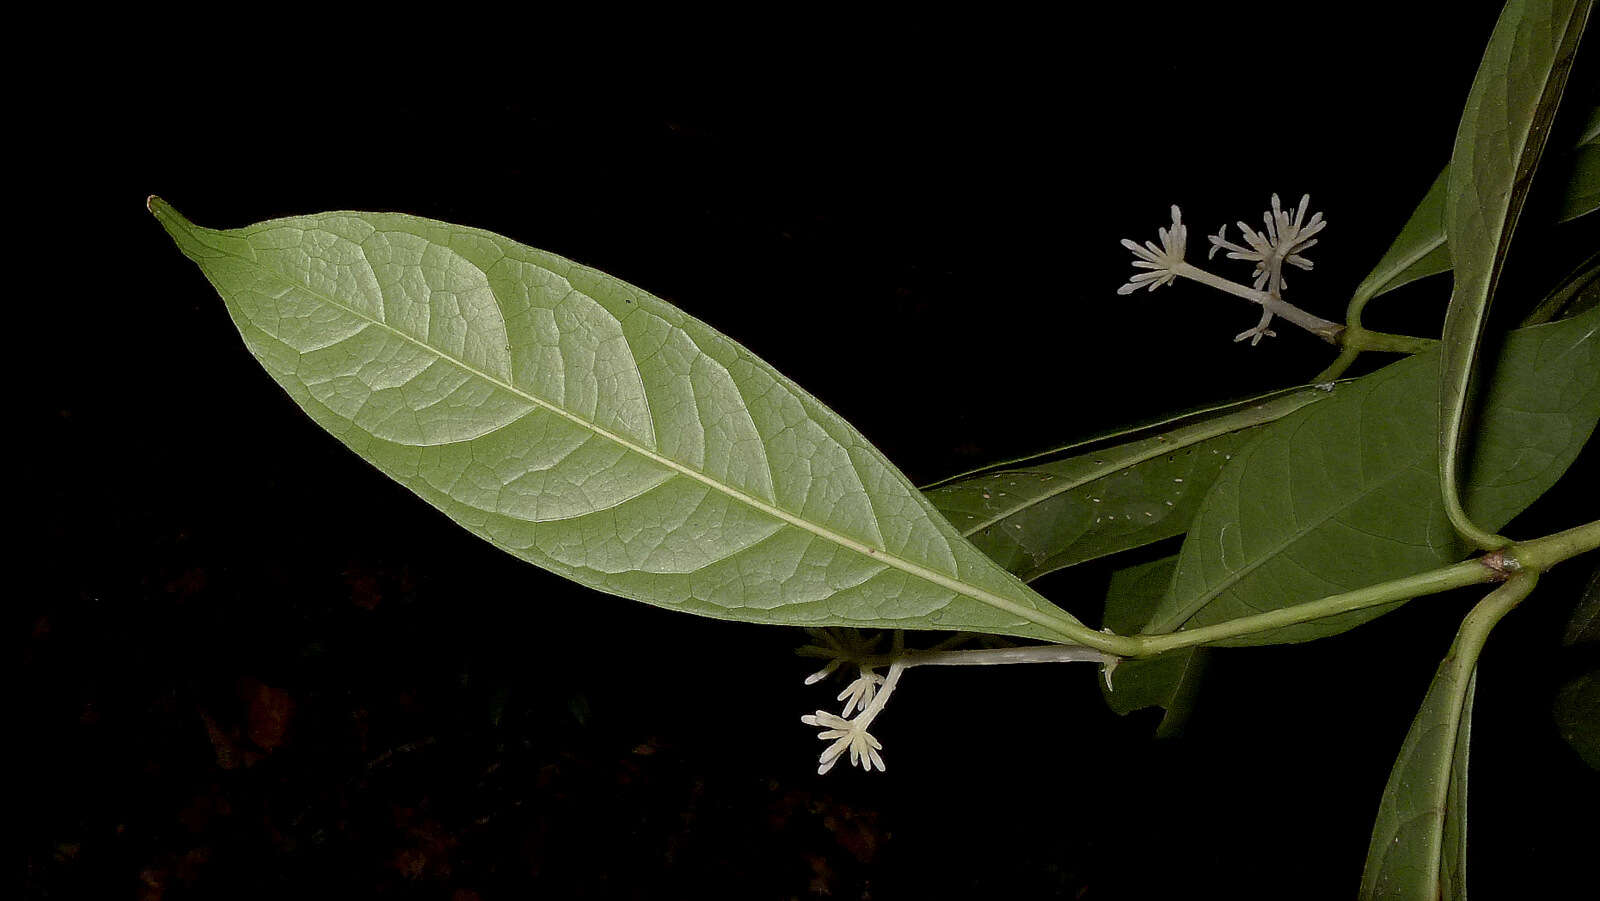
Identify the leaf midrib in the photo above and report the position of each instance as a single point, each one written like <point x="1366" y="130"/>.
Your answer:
<point x="959" y="587"/>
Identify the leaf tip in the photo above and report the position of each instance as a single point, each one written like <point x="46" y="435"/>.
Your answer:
<point x="163" y="210"/>
<point x="159" y="208"/>
<point x="171" y="220"/>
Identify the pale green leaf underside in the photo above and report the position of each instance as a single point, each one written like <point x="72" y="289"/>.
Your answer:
<point x="1037" y="517"/>
<point x="590" y="428"/>
<point x="1168" y="681"/>
<point x="1501" y="136"/>
<point x="1344" y="494"/>
<point x="1419" y="840"/>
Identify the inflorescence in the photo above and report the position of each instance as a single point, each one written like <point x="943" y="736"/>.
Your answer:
<point x="848" y="652"/>
<point x="1285" y="238"/>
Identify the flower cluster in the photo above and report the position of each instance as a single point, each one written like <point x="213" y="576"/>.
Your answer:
<point x="847" y="649"/>
<point x="1161" y="263"/>
<point x="1284" y="239"/>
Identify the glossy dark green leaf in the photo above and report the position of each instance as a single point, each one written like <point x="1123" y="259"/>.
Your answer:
<point x="1577" y="712"/>
<point x="1343" y="494"/>
<point x="1502" y="134"/>
<point x="1057" y="509"/>
<point x="594" y="430"/>
<point x="1583" y="175"/>
<point x="1168" y="681"/>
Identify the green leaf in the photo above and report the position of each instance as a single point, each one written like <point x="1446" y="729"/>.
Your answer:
<point x="1419" y="839"/>
<point x="1343" y="494"/>
<point x="585" y="426"/>
<point x="1583" y="179"/>
<point x="1577" y="712"/>
<point x="1168" y="681"/>
<point x="1047" y="512"/>
<point x="1419" y="845"/>
<point x="1418" y="251"/>
<point x="1502" y="134"/>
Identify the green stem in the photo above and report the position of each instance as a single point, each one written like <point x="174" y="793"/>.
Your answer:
<point x="1467" y="572"/>
<point x="1347" y="355"/>
<point x="1363" y="339"/>
<point x="1533" y="556"/>
<point x="1541" y="554"/>
<point x="1355" y="339"/>
<point x="1475" y="627"/>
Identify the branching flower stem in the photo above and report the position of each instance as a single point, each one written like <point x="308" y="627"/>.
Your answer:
<point x="1325" y="329"/>
<point x="1286" y="238"/>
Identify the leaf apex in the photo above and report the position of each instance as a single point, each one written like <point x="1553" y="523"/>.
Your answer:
<point x="164" y="212"/>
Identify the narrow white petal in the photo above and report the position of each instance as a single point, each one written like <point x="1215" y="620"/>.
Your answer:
<point x="833" y="751"/>
<point x="823" y="673"/>
<point x="1138" y="251"/>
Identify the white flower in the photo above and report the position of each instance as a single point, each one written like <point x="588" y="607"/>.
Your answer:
<point x="858" y="694"/>
<point x="1284" y="240"/>
<point x="1161" y="262"/>
<point x="851" y="734"/>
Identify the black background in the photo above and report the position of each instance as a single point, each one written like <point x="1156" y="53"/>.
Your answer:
<point x="258" y="667"/>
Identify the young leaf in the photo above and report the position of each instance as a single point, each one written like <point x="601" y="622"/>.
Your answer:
<point x="1037" y="516"/>
<point x="1419" y="840"/>
<point x="1168" y="681"/>
<point x="1502" y="134"/>
<point x="1417" y="252"/>
<point x="594" y="430"/>
<point x="1344" y="494"/>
